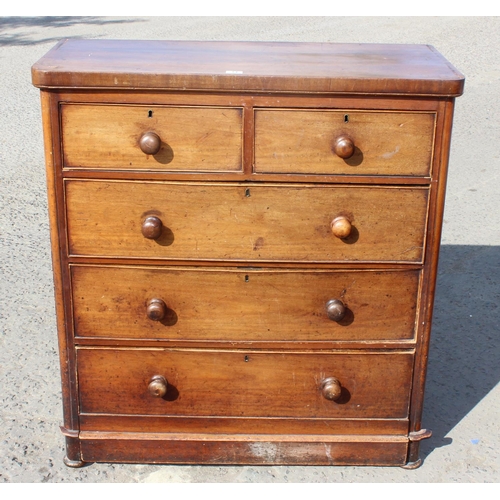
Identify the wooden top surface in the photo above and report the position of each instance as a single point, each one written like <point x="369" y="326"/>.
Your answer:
<point x="248" y="66"/>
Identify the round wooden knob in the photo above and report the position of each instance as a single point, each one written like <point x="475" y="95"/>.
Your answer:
<point x="151" y="227"/>
<point x="150" y="143"/>
<point x="331" y="389"/>
<point x="335" y="309"/>
<point x="341" y="227"/>
<point x="156" y="309"/>
<point x="343" y="147"/>
<point x="158" y="386"/>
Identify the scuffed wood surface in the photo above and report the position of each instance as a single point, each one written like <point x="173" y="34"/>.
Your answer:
<point x="193" y="138"/>
<point x="249" y="66"/>
<point x="301" y="141"/>
<point x="244" y="383"/>
<point x="243" y="305"/>
<point x="246" y="222"/>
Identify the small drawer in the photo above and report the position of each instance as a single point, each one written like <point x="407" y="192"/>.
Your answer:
<point x="243" y="222"/>
<point x="243" y="306"/>
<point x="184" y="139"/>
<point x="244" y="383"/>
<point x="343" y="142"/>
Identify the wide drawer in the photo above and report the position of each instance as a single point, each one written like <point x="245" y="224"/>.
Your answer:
<point x="307" y="142"/>
<point x="244" y="383"/>
<point x="241" y="222"/>
<point x="190" y="138"/>
<point x="243" y="306"/>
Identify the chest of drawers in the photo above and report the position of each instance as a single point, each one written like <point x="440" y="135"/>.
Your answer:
<point x="245" y="241"/>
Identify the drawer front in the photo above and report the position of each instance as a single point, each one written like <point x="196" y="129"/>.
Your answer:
<point x="244" y="306"/>
<point x="307" y="142"/>
<point x="244" y="383"/>
<point x="238" y="222"/>
<point x="190" y="138"/>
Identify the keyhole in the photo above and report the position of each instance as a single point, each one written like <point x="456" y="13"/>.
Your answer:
<point x="247" y="193"/>
<point x="346" y="118"/>
<point x="247" y="279"/>
<point x="247" y="359"/>
<point x="150" y="113"/>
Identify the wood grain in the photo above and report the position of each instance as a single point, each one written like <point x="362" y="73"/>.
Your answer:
<point x="192" y="191"/>
<point x="237" y="425"/>
<point x="244" y="383"/>
<point x="65" y="341"/>
<point x="437" y="202"/>
<point x="193" y="138"/>
<point x="302" y="141"/>
<point x="246" y="222"/>
<point x="126" y="448"/>
<point x="248" y="66"/>
<point x="243" y="305"/>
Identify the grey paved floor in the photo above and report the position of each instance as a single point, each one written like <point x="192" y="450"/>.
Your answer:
<point x="462" y="398"/>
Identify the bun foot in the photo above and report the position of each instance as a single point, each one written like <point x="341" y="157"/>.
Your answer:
<point x="412" y="465"/>
<point x="73" y="463"/>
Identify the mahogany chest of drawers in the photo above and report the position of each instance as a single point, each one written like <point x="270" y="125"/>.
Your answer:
<point x="245" y="242"/>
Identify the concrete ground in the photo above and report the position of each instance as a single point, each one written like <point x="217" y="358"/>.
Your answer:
<point x="462" y="404"/>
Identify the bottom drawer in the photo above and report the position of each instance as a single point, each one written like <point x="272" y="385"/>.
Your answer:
<point x="203" y="383"/>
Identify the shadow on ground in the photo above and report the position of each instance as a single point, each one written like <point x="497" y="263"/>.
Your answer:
<point x="465" y="352"/>
<point x="24" y="27"/>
